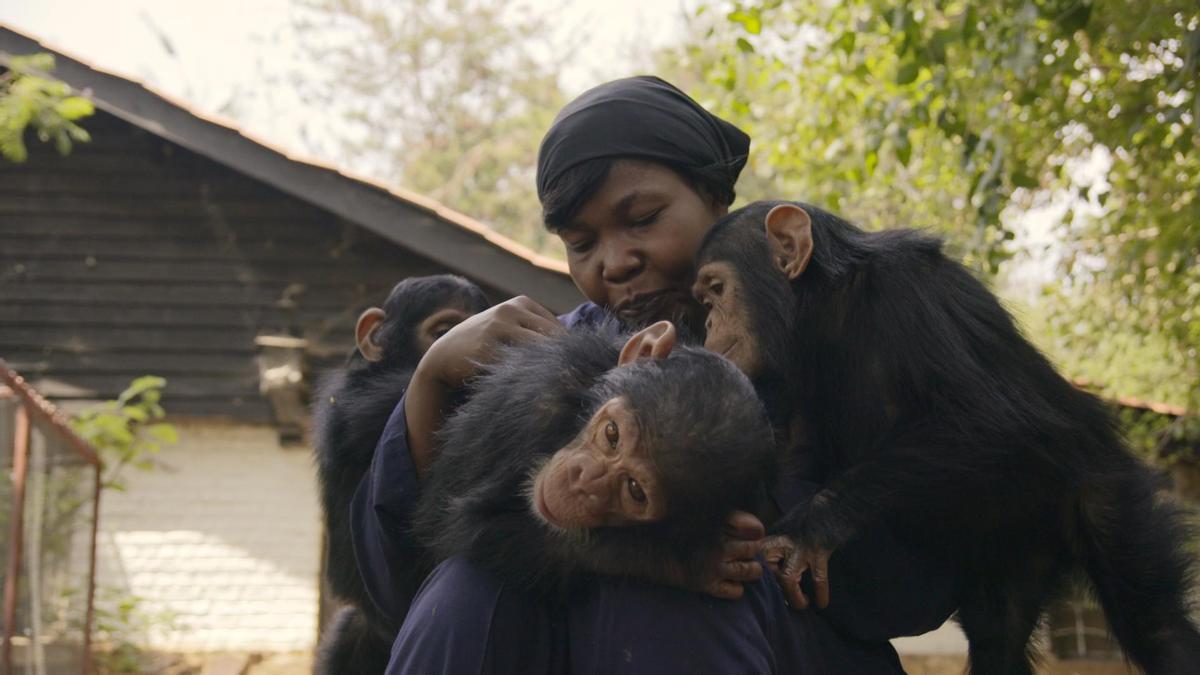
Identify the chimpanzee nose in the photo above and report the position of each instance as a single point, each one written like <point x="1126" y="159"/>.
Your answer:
<point x="586" y="475"/>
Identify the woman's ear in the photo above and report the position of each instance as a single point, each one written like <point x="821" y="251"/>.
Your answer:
<point x="789" y="231"/>
<point x="364" y="334"/>
<point x="653" y="342"/>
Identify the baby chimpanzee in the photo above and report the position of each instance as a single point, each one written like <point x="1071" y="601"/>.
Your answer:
<point x="349" y="413"/>
<point x="575" y="455"/>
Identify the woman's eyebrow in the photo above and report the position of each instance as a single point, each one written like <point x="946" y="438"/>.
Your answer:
<point x="564" y="228"/>
<point x="626" y="203"/>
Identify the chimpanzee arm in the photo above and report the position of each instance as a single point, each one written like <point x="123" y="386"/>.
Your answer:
<point x="909" y="477"/>
<point x="885" y="588"/>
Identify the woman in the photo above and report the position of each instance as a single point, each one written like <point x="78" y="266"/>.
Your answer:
<point x="630" y="176"/>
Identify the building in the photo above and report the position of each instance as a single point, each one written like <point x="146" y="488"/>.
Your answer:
<point x="175" y="245"/>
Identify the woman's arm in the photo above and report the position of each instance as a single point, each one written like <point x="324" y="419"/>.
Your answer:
<point x="390" y="561"/>
<point x="456" y="356"/>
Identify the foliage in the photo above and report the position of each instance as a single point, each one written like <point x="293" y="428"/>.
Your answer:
<point x="126" y="432"/>
<point x="448" y="98"/>
<point x="121" y="625"/>
<point x="30" y="98"/>
<point x="963" y="115"/>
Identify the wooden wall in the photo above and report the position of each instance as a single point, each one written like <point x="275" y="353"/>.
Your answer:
<point x="133" y="256"/>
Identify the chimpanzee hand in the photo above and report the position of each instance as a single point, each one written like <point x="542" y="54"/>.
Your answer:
<point x="789" y="561"/>
<point x="742" y="541"/>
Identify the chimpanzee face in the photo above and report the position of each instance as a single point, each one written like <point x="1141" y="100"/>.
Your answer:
<point x="436" y="325"/>
<point x="728" y="327"/>
<point x="605" y="477"/>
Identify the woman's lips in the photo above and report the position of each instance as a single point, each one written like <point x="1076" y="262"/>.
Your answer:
<point x="638" y="303"/>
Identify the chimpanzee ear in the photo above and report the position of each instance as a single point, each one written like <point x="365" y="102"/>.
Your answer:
<point x="364" y="334"/>
<point x="789" y="231"/>
<point x="653" y="342"/>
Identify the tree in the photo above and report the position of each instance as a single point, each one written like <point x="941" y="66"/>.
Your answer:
<point x="963" y="115"/>
<point x="448" y="98"/>
<point x="30" y="98"/>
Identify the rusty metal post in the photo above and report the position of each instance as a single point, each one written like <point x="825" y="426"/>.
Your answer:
<point x="91" y="588"/>
<point x="21" y="430"/>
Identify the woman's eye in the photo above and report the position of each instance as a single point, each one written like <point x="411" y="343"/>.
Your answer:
<point x="580" y="246"/>
<point x="635" y="491"/>
<point x="612" y="434"/>
<point x="647" y="219"/>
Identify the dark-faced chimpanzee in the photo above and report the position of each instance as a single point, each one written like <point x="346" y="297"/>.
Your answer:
<point x="929" y="411"/>
<point x="352" y="406"/>
<point x="577" y="454"/>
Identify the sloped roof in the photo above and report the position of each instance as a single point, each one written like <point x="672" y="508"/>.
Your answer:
<point x="417" y="223"/>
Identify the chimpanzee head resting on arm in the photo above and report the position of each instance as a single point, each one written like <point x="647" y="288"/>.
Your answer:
<point x="574" y="455"/>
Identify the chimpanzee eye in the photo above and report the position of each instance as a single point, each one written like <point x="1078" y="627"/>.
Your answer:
<point x="635" y="491"/>
<point x="717" y="288"/>
<point x="612" y="434"/>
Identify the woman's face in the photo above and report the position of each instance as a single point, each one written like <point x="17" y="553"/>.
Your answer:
<point x="630" y="247"/>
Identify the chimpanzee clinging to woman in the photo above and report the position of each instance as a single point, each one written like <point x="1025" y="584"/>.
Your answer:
<point x="630" y="176"/>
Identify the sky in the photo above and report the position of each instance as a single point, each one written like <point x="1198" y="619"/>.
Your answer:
<point x="228" y="57"/>
<point x="218" y="53"/>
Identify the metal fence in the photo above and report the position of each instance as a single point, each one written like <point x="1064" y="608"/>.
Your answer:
<point x="48" y="514"/>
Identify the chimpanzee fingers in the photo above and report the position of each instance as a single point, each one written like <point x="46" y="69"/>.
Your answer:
<point x="820" y="577"/>
<point x="790" y="585"/>
<point x="776" y="549"/>
<point x="740" y="571"/>
<point x="794" y="567"/>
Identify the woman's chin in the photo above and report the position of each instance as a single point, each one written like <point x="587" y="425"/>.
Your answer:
<point x="672" y="304"/>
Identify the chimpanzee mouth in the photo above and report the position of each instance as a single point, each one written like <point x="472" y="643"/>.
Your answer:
<point x="541" y="508"/>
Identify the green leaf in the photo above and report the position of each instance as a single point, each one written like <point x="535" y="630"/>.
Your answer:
<point x="907" y="72"/>
<point x="41" y="61"/>
<point x="749" y="20"/>
<point x="903" y="146"/>
<point x="163" y="432"/>
<point x="1023" y="180"/>
<point x="1076" y="17"/>
<point x="744" y="45"/>
<point x="74" y="107"/>
<point x="846" y="41"/>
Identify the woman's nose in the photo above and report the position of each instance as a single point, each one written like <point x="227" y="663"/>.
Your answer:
<point x="621" y="264"/>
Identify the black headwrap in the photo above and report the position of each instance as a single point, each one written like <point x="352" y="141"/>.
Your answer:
<point x="640" y="117"/>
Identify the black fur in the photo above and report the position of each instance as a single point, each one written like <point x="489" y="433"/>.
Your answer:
<point x="707" y="432"/>
<point x="349" y="413"/>
<point x="932" y="412"/>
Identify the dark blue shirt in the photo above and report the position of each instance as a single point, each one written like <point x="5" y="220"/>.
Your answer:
<point x="461" y="620"/>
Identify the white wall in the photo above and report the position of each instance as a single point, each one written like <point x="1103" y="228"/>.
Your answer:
<point x="227" y="537"/>
<point x="948" y="639"/>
